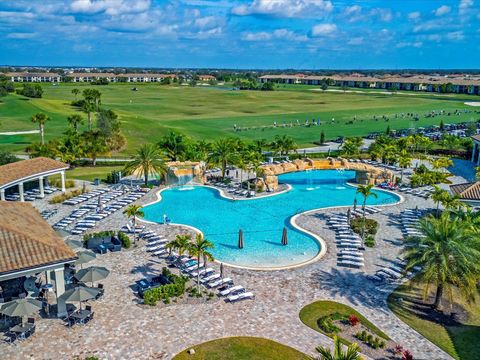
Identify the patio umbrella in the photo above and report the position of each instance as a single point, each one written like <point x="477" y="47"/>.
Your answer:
<point x="21" y="307"/>
<point x="354" y="204"/>
<point x="84" y="257"/>
<point x="240" y="239"/>
<point x="349" y="214"/>
<point x="74" y="244"/>
<point x="284" y="237"/>
<point x="92" y="274"/>
<point x="79" y="294"/>
<point x="221" y="270"/>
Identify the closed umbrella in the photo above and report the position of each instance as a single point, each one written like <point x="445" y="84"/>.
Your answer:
<point x="92" y="274"/>
<point x="74" y="244"/>
<point x="240" y="239"/>
<point x="354" y="204"/>
<point x="284" y="237"/>
<point x="79" y="294"/>
<point x="349" y="215"/>
<point x="85" y="257"/>
<point x="221" y="270"/>
<point x="21" y="307"/>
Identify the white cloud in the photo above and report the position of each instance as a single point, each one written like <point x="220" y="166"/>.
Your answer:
<point x="455" y="35"/>
<point x="383" y="14"/>
<point x="278" y="34"/>
<point x="442" y="10"/>
<point x="323" y="29"/>
<point x="20" y="35"/>
<point x="285" y="8"/>
<point x="110" y="7"/>
<point x="353" y="13"/>
<point x="356" y="41"/>
<point x="414" y="16"/>
<point x="403" y="44"/>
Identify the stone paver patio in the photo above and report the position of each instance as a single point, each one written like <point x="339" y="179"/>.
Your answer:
<point x="123" y="329"/>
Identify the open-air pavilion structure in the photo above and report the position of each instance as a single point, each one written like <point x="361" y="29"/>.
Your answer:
<point x="20" y="172"/>
<point x="29" y="249"/>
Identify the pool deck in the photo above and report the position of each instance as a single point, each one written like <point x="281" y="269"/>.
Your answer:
<point x="123" y="329"/>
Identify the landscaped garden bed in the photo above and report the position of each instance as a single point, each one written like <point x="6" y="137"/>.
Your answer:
<point x="335" y="319"/>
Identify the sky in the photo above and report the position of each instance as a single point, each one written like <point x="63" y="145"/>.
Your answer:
<point x="248" y="34"/>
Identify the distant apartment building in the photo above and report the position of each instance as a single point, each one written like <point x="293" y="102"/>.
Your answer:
<point x="33" y="77"/>
<point x="415" y="83"/>
<point x="206" y="78"/>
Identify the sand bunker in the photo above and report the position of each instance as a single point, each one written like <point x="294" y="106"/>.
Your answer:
<point x="473" y="103"/>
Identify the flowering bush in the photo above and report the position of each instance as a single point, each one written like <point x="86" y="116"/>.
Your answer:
<point x="353" y="320"/>
<point x="398" y="349"/>
<point x="407" y="355"/>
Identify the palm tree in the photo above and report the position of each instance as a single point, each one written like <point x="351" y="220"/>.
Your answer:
<point x="75" y="92"/>
<point x="199" y="248"/>
<point x="148" y="161"/>
<point x="441" y="162"/>
<point x="223" y="152"/>
<point x="352" y="352"/>
<point x="41" y="119"/>
<point x="91" y="103"/>
<point x="366" y="192"/>
<point x="447" y="254"/>
<point x="174" y="145"/>
<point x="452" y="202"/>
<point x="132" y="211"/>
<point x="438" y="195"/>
<point x="89" y="108"/>
<point x="75" y="120"/>
<point x="404" y="161"/>
<point x="181" y="244"/>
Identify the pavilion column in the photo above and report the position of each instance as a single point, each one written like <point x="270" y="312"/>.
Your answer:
<point x="62" y="174"/>
<point x="474" y="149"/>
<point x="59" y="290"/>
<point x="2" y="195"/>
<point x="40" y="185"/>
<point x="20" y="190"/>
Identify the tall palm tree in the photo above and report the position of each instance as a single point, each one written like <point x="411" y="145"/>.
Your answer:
<point x="91" y="103"/>
<point x="75" y="120"/>
<point x="366" y="192"/>
<point x="447" y="254"/>
<point x="223" y="152"/>
<point x="438" y="195"/>
<point x="199" y="248"/>
<point x="180" y="244"/>
<point x="452" y="202"/>
<point x="147" y="161"/>
<point x="352" y="352"/>
<point x="404" y="161"/>
<point x="134" y="211"/>
<point x="88" y="108"/>
<point x="41" y="119"/>
<point x="174" y="145"/>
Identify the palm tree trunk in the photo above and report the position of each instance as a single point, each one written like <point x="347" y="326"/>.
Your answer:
<point x="134" y="228"/>
<point x="363" y="224"/>
<point x="198" y="271"/>
<point x="89" y="120"/>
<point x="42" y="135"/>
<point x="438" y="297"/>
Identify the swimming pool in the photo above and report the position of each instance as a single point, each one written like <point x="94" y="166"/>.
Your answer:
<point x="262" y="220"/>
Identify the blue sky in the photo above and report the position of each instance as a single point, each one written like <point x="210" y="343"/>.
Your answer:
<point x="313" y="34"/>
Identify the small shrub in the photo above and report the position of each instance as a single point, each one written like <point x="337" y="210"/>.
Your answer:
<point x="370" y="241"/>
<point x="164" y="292"/>
<point x="124" y="239"/>
<point x="371" y="226"/>
<point x="326" y="324"/>
<point x="58" y="183"/>
<point x="62" y="197"/>
<point x="353" y="320"/>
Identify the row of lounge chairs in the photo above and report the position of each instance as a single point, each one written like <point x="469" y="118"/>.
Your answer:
<point x="377" y="163"/>
<point x="46" y="214"/>
<point x="394" y="272"/>
<point x="234" y="189"/>
<point x="84" y="197"/>
<point x="156" y="245"/>
<point x="31" y="195"/>
<point x="409" y="222"/>
<point x="424" y="192"/>
<point x="349" y="244"/>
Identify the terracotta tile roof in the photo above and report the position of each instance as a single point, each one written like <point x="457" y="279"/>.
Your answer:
<point x="476" y="137"/>
<point x="27" y="241"/>
<point x="467" y="191"/>
<point x="21" y="169"/>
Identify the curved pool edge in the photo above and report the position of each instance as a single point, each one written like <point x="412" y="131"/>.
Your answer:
<point x="293" y="219"/>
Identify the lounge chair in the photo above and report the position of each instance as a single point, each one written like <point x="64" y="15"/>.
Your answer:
<point x="232" y="290"/>
<point x="220" y="282"/>
<point x="241" y="296"/>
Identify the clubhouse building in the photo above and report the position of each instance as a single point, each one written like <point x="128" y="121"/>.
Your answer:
<point x="459" y="85"/>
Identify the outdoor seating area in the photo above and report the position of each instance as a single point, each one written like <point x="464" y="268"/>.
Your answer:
<point x="31" y="195"/>
<point x="234" y="188"/>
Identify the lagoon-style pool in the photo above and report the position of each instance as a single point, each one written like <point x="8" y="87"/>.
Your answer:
<point x="263" y="219"/>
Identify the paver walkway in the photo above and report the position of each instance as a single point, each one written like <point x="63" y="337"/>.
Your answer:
<point x="122" y="329"/>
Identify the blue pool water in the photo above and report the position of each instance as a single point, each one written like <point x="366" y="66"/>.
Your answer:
<point x="463" y="168"/>
<point x="262" y="220"/>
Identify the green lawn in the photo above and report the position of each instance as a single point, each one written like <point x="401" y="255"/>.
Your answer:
<point x="460" y="341"/>
<point x="209" y="113"/>
<point x="89" y="173"/>
<point x="240" y="348"/>
<point x="312" y="312"/>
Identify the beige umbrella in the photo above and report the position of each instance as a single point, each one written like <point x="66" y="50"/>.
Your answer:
<point x="240" y="239"/>
<point x="85" y="257"/>
<point x="79" y="294"/>
<point x="21" y="307"/>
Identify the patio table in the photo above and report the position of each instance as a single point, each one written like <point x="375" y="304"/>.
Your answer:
<point x="81" y="315"/>
<point x="20" y="331"/>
